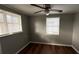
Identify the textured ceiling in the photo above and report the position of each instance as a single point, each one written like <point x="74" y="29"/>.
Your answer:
<point x="28" y="9"/>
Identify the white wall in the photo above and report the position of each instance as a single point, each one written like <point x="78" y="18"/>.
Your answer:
<point x="75" y="41"/>
<point x="38" y="26"/>
<point x="12" y="43"/>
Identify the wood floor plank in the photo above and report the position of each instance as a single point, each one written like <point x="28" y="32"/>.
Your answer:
<point x="31" y="49"/>
<point x="37" y="49"/>
<point x="34" y="48"/>
<point x="53" y="50"/>
<point x="46" y="49"/>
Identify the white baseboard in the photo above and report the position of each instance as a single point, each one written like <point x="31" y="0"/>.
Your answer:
<point x="75" y="49"/>
<point x="53" y="44"/>
<point x="23" y="47"/>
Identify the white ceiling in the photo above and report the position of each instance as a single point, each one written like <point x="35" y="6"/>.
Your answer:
<point x="28" y="9"/>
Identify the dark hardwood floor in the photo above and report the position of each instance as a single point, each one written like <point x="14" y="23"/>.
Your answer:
<point x="34" y="48"/>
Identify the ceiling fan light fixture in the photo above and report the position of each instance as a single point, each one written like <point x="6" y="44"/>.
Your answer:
<point x="47" y="14"/>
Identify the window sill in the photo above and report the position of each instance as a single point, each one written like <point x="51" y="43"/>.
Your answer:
<point x="53" y="34"/>
<point x="8" y="34"/>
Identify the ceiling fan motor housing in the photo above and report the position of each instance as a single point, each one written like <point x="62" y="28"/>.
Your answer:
<point x="47" y="8"/>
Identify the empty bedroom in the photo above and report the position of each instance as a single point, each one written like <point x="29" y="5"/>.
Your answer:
<point x="39" y="28"/>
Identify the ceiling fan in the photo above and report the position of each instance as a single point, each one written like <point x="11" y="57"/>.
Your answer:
<point x="46" y="8"/>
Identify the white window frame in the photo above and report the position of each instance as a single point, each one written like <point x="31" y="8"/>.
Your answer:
<point x="51" y="27"/>
<point x="4" y="17"/>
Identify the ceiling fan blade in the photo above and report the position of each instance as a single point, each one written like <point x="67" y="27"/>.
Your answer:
<point x="38" y="11"/>
<point x="56" y="10"/>
<point x="37" y="6"/>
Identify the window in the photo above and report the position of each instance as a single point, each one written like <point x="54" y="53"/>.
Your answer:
<point x="9" y="22"/>
<point x="52" y="25"/>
